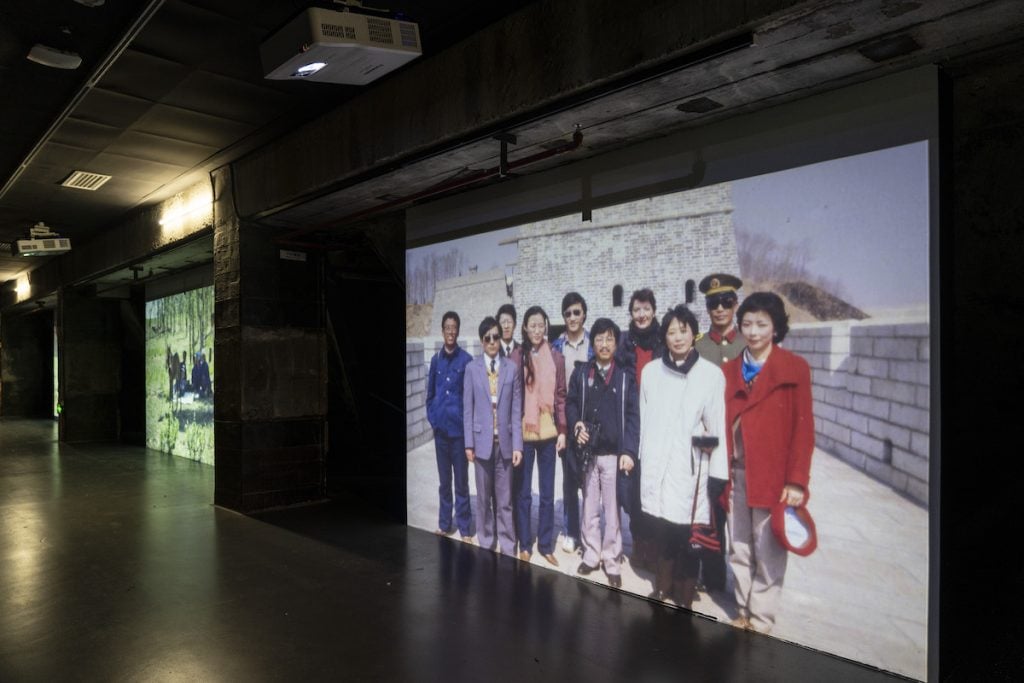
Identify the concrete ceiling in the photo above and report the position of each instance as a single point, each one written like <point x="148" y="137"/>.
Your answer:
<point x="167" y="91"/>
<point x="816" y="47"/>
<point x="181" y="93"/>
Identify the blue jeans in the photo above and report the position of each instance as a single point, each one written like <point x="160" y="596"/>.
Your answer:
<point x="543" y="452"/>
<point x="451" y="460"/>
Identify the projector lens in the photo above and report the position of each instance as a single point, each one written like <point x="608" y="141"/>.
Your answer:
<point x="309" y="69"/>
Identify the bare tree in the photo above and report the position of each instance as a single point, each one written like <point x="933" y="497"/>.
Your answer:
<point x="423" y="273"/>
<point x="763" y="258"/>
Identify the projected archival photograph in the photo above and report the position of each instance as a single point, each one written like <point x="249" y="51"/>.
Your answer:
<point x="717" y="399"/>
<point x="179" y="374"/>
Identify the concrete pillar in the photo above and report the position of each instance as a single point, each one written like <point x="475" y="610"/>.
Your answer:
<point x="365" y="296"/>
<point x="271" y="386"/>
<point x="90" y="335"/>
<point x="133" y="367"/>
<point x="26" y="368"/>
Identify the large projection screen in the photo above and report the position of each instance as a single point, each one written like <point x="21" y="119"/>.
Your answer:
<point x="830" y="204"/>
<point x="179" y="374"/>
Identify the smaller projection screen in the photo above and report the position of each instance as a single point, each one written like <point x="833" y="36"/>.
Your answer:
<point x="179" y="374"/>
<point x="844" y="244"/>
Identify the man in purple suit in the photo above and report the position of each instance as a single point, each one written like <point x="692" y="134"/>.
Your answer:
<point x="492" y="398"/>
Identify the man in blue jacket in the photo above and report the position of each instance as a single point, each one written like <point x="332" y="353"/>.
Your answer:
<point x="444" y="412"/>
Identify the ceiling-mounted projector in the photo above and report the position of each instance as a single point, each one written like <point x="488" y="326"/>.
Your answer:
<point x="41" y="242"/>
<point x="328" y="46"/>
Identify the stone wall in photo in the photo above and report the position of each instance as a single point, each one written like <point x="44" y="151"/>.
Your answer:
<point x="661" y="242"/>
<point x="872" y="396"/>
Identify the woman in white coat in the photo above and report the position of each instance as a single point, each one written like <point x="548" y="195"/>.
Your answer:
<point x="681" y="396"/>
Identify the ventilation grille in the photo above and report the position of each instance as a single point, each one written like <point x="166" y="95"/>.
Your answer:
<point x="338" y="31"/>
<point x="380" y="30"/>
<point x="81" y="180"/>
<point x="408" y="35"/>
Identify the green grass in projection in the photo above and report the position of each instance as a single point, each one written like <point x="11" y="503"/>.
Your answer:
<point x="179" y="374"/>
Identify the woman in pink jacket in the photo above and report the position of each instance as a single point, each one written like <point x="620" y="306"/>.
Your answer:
<point x="770" y="437"/>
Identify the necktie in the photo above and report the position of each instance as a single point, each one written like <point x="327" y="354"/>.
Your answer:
<point x="492" y="365"/>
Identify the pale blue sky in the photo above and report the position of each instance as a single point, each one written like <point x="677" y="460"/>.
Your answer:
<point x="864" y="220"/>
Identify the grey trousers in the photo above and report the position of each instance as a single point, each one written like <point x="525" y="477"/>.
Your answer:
<point x="756" y="558"/>
<point x="599" y="494"/>
<point x="494" y="502"/>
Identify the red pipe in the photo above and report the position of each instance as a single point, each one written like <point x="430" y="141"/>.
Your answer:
<point x="447" y="186"/>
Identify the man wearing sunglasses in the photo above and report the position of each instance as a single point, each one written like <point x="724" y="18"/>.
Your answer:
<point x="492" y="400"/>
<point x="722" y="344"/>
<point x="574" y="345"/>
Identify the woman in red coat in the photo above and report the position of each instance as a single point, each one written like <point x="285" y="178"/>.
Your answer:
<point x="770" y="441"/>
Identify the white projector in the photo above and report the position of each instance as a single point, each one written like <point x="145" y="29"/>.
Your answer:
<point x="328" y="46"/>
<point x="42" y="247"/>
<point x="41" y="242"/>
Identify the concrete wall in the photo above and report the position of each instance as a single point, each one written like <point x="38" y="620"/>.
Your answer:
<point x="26" y="366"/>
<point x="871" y="397"/>
<point x="92" y="336"/>
<point x="659" y="242"/>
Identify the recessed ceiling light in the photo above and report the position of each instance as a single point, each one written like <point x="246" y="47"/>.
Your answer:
<point x="699" y="105"/>
<point x="889" y="48"/>
<point x="54" y="58"/>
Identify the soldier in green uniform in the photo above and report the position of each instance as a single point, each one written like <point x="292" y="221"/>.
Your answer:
<point x="720" y="345"/>
<point x="723" y="342"/>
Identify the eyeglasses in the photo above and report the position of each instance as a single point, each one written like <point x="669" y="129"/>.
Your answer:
<point x="715" y="300"/>
<point x="534" y="327"/>
<point x="488" y="338"/>
<point x="450" y="328"/>
<point x="573" y="313"/>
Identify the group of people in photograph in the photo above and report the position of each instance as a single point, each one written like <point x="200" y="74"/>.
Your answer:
<point x="178" y="375"/>
<point x="698" y="442"/>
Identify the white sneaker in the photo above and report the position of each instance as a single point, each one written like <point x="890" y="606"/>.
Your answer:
<point x="568" y="545"/>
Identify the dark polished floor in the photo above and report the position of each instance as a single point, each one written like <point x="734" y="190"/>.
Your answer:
<point x="115" y="566"/>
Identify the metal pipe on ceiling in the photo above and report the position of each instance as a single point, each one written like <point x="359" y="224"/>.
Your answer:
<point x="477" y="176"/>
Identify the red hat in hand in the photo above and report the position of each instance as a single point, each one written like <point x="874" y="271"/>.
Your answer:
<point x="794" y="529"/>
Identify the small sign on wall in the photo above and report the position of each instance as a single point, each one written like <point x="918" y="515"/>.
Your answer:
<point x="289" y="255"/>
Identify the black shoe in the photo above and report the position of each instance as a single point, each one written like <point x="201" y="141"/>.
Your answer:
<point x="585" y="569"/>
<point x="615" y="580"/>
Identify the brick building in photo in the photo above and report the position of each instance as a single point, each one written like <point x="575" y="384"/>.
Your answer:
<point x="667" y="243"/>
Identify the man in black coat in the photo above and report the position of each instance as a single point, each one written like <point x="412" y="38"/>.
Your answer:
<point x="603" y="413"/>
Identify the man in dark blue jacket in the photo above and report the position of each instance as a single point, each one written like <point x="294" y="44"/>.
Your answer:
<point x="444" y="412"/>
<point x="602" y="411"/>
